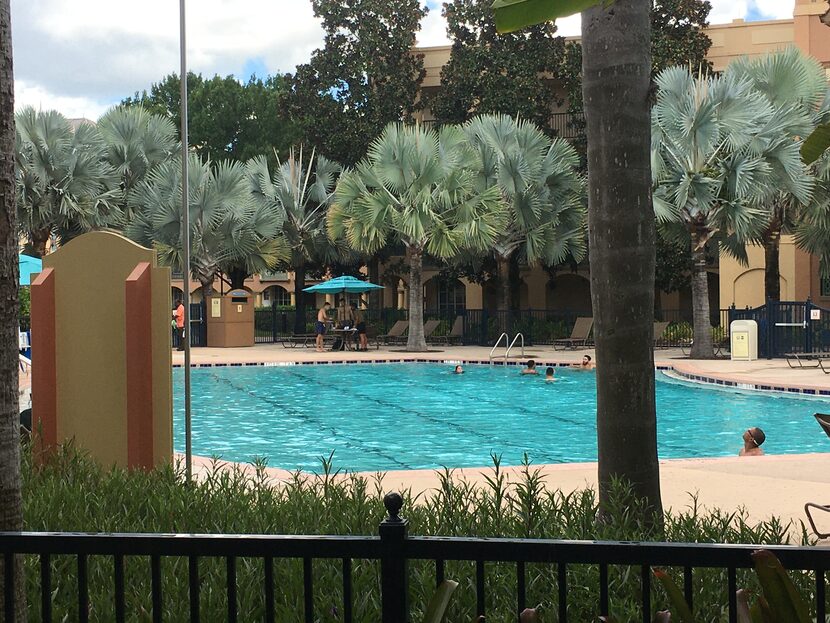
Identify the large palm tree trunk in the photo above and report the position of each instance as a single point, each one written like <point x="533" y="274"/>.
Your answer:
<point x="11" y="506"/>
<point x="772" y="272"/>
<point x="504" y="290"/>
<point x="416" y="341"/>
<point x="616" y="67"/>
<point x="702" y="348"/>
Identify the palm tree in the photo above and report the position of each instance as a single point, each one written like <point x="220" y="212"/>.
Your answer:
<point x="719" y="151"/>
<point x="136" y="141"/>
<point x="300" y="193"/>
<point x="796" y="87"/>
<point x="229" y="233"/>
<point x="11" y="503"/>
<point x="616" y="69"/>
<point x="64" y="184"/>
<point x="418" y="187"/>
<point x="540" y="185"/>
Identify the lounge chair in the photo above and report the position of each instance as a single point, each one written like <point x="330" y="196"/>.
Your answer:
<point x="816" y="360"/>
<point x="395" y="333"/>
<point x="824" y="421"/>
<point x="659" y="330"/>
<point x="579" y="335"/>
<point x="455" y="334"/>
<point x="429" y="328"/>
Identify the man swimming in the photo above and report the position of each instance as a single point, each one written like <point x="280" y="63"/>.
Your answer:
<point x="531" y="367"/>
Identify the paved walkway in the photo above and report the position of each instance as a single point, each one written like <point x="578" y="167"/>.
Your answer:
<point x="763" y="486"/>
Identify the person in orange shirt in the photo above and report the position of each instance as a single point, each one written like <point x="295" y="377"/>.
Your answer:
<point x="178" y="316"/>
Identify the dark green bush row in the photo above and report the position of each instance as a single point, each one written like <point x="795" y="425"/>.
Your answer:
<point x="71" y="493"/>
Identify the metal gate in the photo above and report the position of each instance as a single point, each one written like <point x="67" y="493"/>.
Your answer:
<point x="788" y="327"/>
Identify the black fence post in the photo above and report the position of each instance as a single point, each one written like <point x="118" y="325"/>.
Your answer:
<point x="274" y="322"/>
<point x="394" y="570"/>
<point x="808" y="326"/>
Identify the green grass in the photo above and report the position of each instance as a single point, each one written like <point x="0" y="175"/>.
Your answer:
<point x="71" y="493"/>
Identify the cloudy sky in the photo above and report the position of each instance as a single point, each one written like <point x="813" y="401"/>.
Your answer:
<point x="82" y="56"/>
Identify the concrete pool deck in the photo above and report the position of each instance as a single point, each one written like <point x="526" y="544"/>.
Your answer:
<point x="763" y="486"/>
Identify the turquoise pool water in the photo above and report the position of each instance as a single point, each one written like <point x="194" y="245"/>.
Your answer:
<point x="416" y="416"/>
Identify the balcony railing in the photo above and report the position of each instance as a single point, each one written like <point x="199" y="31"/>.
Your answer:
<point x="394" y="549"/>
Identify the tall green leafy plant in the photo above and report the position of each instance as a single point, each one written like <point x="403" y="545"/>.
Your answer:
<point x="796" y="87"/>
<point x="541" y="187"/>
<point x="65" y="185"/>
<point x="417" y="187"/>
<point x="230" y="235"/>
<point x="135" y="142"/>
<point x="719" y="152"/>
<point x="299" y="193"/>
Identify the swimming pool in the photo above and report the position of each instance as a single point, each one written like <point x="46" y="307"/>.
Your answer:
<point x="418" y="416"/>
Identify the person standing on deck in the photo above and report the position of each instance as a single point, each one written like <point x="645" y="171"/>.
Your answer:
<point x="320" y="326"/>
<point x="178" y="316"/>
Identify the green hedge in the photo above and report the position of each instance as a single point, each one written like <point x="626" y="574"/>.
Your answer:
<point x="71" y="493"/>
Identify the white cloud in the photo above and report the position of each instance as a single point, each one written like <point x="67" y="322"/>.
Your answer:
<point x="433" y="29"/>
<point x="36" y="96"/>
<point x="81" y="57"/>
<point x="775" y="9"/>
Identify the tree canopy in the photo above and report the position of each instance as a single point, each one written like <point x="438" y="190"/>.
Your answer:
<point x="363" y="77"/>
<point x="227" y="119"/>
<point x="490" y="73"/>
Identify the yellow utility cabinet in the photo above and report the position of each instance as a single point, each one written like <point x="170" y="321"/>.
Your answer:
<point x="230" y="319"/>
<point x="743" y="338"/>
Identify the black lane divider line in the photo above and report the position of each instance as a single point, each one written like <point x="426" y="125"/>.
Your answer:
<point x="349" y="440"/>
<point x="391" y="405"/>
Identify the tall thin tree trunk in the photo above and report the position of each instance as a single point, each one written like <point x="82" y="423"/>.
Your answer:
<point x="299" y="297"/>
<point x="616" y="68"/>
<point x="702" y="347"/>
<point x="374" y="277"/>
<point x="772" y="272"/>
<point x="416" y="341"/>
<point x="504" y="291"/>
<point x="11" y="505"/>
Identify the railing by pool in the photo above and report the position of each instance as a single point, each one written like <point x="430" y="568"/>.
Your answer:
<point x="394" y="549"/>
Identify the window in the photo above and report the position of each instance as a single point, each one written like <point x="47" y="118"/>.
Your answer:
<point x="281" y="296"/>
<point x="452" y="297"/>
<point x="825" y="286"/>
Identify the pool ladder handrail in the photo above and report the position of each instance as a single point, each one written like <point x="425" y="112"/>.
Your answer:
<point x="512" y="344"/>
<point x="509" y="344"/>
<point x="498" y="341"/>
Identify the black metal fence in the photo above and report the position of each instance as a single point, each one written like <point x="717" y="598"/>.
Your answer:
<point x="198" y="326"/>
<point x="482" y="327"/>
<point x="788" y="327"/>
<point x="394" y="549"/>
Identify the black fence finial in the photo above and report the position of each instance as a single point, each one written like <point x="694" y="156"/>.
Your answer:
<point x="393" y="503"/>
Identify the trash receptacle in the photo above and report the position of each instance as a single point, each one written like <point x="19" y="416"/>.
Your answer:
<point x="230" y="319"/>
<point x="743" y="339"/>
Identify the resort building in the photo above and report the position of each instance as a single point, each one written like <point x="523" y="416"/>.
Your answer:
<point x="567" y="288"/>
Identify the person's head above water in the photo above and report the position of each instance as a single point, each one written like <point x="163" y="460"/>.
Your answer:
<point x="549" y="372"/>
<point x="754" y="437"/>
<point x="531" y="364"/>
<point x="458" y="370"/>
<point x="586" y="360"/>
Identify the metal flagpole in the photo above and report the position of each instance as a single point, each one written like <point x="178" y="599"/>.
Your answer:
<point x="185" y="237"/>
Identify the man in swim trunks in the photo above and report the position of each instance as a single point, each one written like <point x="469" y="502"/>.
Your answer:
<point x="320" y="327"/>
<point x="360" y="324"/>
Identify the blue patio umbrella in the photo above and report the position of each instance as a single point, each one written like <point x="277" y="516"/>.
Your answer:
<point x="28" y="266"/>
<point x="344" y="285"/>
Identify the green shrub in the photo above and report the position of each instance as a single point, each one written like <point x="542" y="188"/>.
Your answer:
<point x="71" y="493"/>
